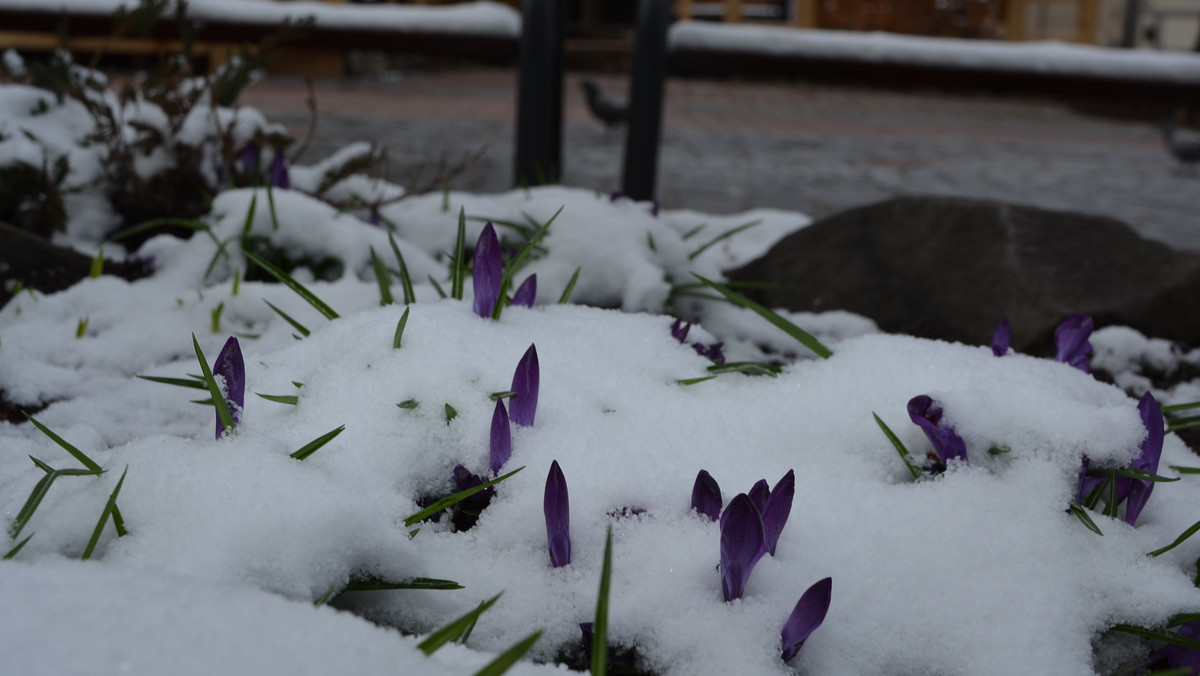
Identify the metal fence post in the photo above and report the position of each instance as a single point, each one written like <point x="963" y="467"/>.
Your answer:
<point x="540" y="93"/>
<point x="645" y="98"/>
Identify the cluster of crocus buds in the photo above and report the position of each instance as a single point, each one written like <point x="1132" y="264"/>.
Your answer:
<point x="679" y="331"/>
<point x="488" y="276"/>
<point x="277" y="173"/>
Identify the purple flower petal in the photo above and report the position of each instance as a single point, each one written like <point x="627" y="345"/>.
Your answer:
<point x="1179" y="657"/>
<point x="712" y="352"/>
<point x="927" y="416"/>
<point x="706" y="496"/>
<point x="488" y="272"/>
<point x="808" y="614"/>
<point x="525" y="383"/>
<point x="501" y="438"/>
<point x="779" y="506"/>
<point x="526" y="293"/>
<point x="1086" y="483"/>
<point x="759" y="493"/>
<point x="248" y="158"/>
<point x="1002" y="338"/>
<point x="231" y="369"/>
<point x="1139" y="490"/>
<point x="616" y="195"/>
<point x="557" y="508"/>
<point x="741" y="545"/>
<point x="654" y="208"/>
<point x="279" y="172"/>
<point x="679" y="330"/>
<point x="1071" y="339"/>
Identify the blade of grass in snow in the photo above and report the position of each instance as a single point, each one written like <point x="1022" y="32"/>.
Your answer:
<point x="1182" y="618"/>
<point x="180" y="382"/>
<point x="316" y="444"/>
<point x="456" y="628"/>
<point x="1185" y="470"/>
<point x="1160" y="635"/>
<point x="451" y="500"/>
<point x="249" y="222"/>
<point x="405" y="280"/>
<point x="286" y="279"/>
<point x="218" y="398"/>
<point x="1082" y="514"/>
<point x="75" y="452"/>
<point x="97" y="267"/>
<point x="399" y="335"/>
<point x="188" y="224"/>
<point x="791" y="329"/>
<point x="522" y="229"/>
<point x="379" y="584"/>
<point x="292" y="399"/>
<point x="1177" y="424"/>
<point x="383" y="279"/>
<point x="519" y="259"/>
<point x="913" y="468"/>
<point x="13" y="552"/>
<point x="324" y="598"/>
<point x="756" y="368"/>
<point x="295" y="324"/>
<point x="40" y="489"/>
<point x="600" y="624"/>
<point x="271" y="205"/>
<point x="566" y="294"/>
<point x="1180" y="407"/>
<point x="723" y="236"/>
<point x="109" y="508"/>
<point x="81" y="328"/>
<point x="1130" y="473"/>
<point x="451" y="413"/>
<point x="216" y="317"/>
<point x="694" y="231"/>
<point x="1178" y="541"/>
<point x="509" y="657"/>
<point x="408" y="403"/>
<point x="693" y="381"/>
<point x="496" y="396"/>
<point x="458" y="271"/>
<point x="650" y="242"/>
<point x="437" y="287"/>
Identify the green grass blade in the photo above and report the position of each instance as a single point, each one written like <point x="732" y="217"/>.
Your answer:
<point x="408" y="404"/>
<point x="451" y="500"/>
<point x="292" y="399"/>
<point x="600" y="625"/>
<point x="694" y="381"/>
<point x="723" y="236"/>
<point x="383" y="279"/>
<point x="805" y="338"/>
<point x="13" y="552"/>
<point x="379" y="584"/>
<point x="75" y="452"/>
<point x="455" y="629"/>
<point x="81" y="328"/>
<point x="650" y="242"/>
<point x="316" y="444"/>
<point x="271" y="204"/>
<point x="1178" y="541"/>
<point x="286" y="279"/>
<point x="249" y="222"/>
<point x="178" y="382"/>
<point x="755" y="368"/>
<point x="405" y="280"/>
<point x="1180" y="407"/>
<point x="522" y="229"/>
<point x="497" y="396"/>
<point x="1185" y="470"/>
<point x="329" y="593"/>
<point x="913" y="467"/>
<point x="1160" y="635"/>
<point x="108" y="510"/>
<point x="40" y="489"/>
<point x="566" y="294"/>
<point x="295" y="324"/>
<point x="1131" y="473"/>
<point x="520" y="258"/>
<point x="399" y="335"/>
<point x="437" y="287"/>
<point x="694" y="231"/>
<point x="189" y="224"/>
<point x="218" y="398"/>
<point x="509" y="657"/>
<point x="1176" y="424"/>
<point x="458" y="271"/>
<point x="1082" y="514"/>
<point x="97" y="267"/>
<point x="451" y="413"/>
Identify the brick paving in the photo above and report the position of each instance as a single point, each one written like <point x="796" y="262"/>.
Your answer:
<point x="729" y="146"/>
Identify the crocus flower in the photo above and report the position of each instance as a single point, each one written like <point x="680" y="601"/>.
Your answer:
<point x="945" y="440"/>
<point x="279" y="172"/>
<point x="779" y="506"/>
<point x="248" y="158"/>
<point x="808" y="614"/>
<point x="706" y="496"/>
<point x="615" y="195"/>
<point x="557" y="508"/>
<point x="1179" y="657"/>
<point x="501" y="438"/>
<point x="712" y="352"/>
<point x="526" y="293"/>
<point x="1071" y="339"/>
<point x="231" y="369"/>
<point x="741" y="545"/>
<point x="525" y="384"/>
<point x="487" y="272"/>
<point x="1139" y="489"/>
<point x="654" y="208"/>
<point x="759" y="493"/>
<point x="679" y="330"/>
<point x="1002" y="338"/>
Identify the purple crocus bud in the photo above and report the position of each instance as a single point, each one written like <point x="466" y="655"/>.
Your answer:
<point x="679" y="330"/>
<point x="616" y="195"/>
<point x="779" y="506"/>
<point x="1139" y="490"/>
<point x="759" y="493"/>
<point x="557" y="508"/>
<point x="525" y="384"/>
<point x="248" y="158"/>
<point x="279" y="172"/>
<point x="654" y="208"/>
<point x="488" y="271"/>
<point x="526" y="293"/>
<point x="1086" y="483"/>
<point x="706" y="496"/>
<point x="231" y="369"/>
<point x="741" y="545"/>
<point x="808" y="614"/>
<point x="1179" y="657"/>
<point x="945" y="440"/>
<point x="1071" y="339"/>
<point x="1002" y="338"/>
<point x="711" y="352"/>
<point x="501" y="440"/>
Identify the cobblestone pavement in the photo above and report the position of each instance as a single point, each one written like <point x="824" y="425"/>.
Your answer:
<point x="729" y="145"/>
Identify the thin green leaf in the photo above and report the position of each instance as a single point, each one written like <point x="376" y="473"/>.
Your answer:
<point x="1185" y="470"/>
<point x="1183" y="424"/>
<point x="693" y="381"/>
<point x="451" y="500"/>
<point x="75" y="452"/>
<point x="295" y="324"/>
<point x="1082" y="514"/>
<point x="218" y="398"/>
<point x="451" y="413"/>
<point x="316" y="444"/>
<point x="1160" y="635"/>
<point x="286" y="279"/>
<point x="694" y="231"/>
<point x="913" y="468"/>
<point x="97" y="268"/>
<point x="757" y="368"/>
<point x="437" y="287"/>
<point x="1178" y="541"/>
<point x="1131" y="473"/>
<point x="396" y="338"/>
<point x="723" y="236"/>
<point x="458" y="271"/>
<point x="292" y="399"/>
<point x="405" y="281"/>
<point x="408" y="404"/>
<point x="271" y="204"/>
<point x="203" y="402"/>
<point x="1181" y="671"/>
<point x="453" y="630"/>
<point x="324" y="598"/>
<point x="108" y="510"/>
<point x="497" y="396"/>
<point x="188" y="224"/>
<point x="178" y="382"/>
<point x="520" y="258"/>
<point x="791" y="329"/>
<point x="216" y="317"/>
<point x="249" y="222"/>
<point x="40" y="489"/>
<point x="1182" y="618"/>
<point x="509" y="657"/>
<point x="382" y="278"/>
<point x="999" y="450"/>
<point x="13" y="552"/>
<point x="522" y="229"/>
<point x="81" y="328"/>
<point x="600" y="624"/>
<point x="1180" y="407"/>
<point x="566" y="294"/>
<point x="650" y="241"/>
<point x="378" y="584"/>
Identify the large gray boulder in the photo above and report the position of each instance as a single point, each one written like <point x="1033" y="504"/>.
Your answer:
<point x="951" y="268"/>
